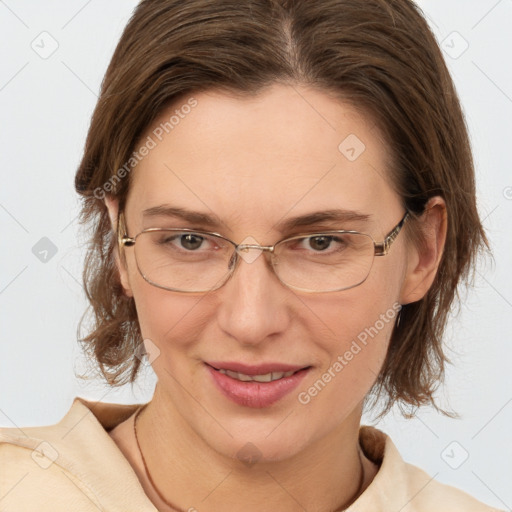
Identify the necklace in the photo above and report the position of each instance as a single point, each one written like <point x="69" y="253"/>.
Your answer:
<point x="176" y="509"/>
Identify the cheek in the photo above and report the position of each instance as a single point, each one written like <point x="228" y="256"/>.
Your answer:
<point x="354" y="330"/>
<point x="173" y="325"/>
<point x="372" y="305"/>
<point x="360" y="326"/>
<point x="169" y="319"/>
<point x="355" y="351"/>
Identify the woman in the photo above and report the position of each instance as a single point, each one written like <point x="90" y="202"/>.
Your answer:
<point x="283" y="204"/>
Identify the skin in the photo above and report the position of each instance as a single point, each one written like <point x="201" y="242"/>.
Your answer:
<point x="253" y="162"/>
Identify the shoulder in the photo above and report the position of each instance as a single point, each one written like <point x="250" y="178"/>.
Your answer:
<point x="405" y="487"/>
<point x="36" y="476"/>
<point x="430" y="495"/>
<point x="71" y="465"/>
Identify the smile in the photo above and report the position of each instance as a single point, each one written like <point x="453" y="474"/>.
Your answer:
<point x="267" y="377"/>
<point x="256" y="391"/>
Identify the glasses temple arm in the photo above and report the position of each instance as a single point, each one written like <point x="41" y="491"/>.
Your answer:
<point x="382" y="248"/>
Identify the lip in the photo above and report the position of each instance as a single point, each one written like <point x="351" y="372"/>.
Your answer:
<point x="256" y="394"/>
<point x="259" y="369"/>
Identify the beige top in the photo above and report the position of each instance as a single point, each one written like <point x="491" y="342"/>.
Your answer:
<point x="75" y="466"/>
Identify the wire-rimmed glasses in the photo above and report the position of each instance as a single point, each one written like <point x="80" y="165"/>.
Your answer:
<point x="190" y="260"/>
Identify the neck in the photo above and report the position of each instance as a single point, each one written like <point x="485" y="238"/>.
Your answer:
<point x="184" y="473"/>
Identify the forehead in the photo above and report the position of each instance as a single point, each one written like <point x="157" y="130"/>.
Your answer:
<point x="288" y="151"/>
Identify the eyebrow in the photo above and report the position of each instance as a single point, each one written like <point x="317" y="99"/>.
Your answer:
<point x="213" y="222"/>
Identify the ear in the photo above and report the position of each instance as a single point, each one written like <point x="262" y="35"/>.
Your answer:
<point x="112" y="205"/>
<point x="423" y="258"/>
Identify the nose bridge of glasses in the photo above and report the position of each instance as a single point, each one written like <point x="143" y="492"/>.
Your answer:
<point x="245" y="247"/>
<point x="250" y="256"/>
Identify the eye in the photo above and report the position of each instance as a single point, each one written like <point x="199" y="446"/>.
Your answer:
<point x="191" y="242"/>
<point x="320" y="243"/>
<point x="187" y="241"/>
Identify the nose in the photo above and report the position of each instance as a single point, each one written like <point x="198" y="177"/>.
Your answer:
<point x="254" y="304"/>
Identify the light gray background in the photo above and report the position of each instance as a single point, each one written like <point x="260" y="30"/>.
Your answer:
<point x="46" y="104"/>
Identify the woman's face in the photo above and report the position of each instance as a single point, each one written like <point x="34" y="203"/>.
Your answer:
<point x="253" y="164"/>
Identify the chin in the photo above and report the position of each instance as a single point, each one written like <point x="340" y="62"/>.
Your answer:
<point x="252" y="444"/>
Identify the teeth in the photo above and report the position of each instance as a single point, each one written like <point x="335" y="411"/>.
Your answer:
<point x="267" y="377"/>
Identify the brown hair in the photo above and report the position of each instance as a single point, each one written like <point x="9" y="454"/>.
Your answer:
<point x="379" y="55"/>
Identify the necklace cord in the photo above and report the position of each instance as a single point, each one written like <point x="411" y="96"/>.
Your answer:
<point x="176" y="509"/>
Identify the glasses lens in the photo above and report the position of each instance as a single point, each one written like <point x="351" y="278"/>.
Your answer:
<point x="196" y="261"/>
<point x="325" y="262"/>
<point x="182" y="260"/>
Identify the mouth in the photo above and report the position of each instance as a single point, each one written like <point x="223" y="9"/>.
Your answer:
<point x="258" y="377"/>
<point x="253" y="389"/>
<point x="256" y="369"/>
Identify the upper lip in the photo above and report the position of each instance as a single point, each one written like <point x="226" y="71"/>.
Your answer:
<point x="258" y="369"/>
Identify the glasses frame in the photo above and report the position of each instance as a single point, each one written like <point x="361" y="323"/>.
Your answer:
<point x="380" y="249"/>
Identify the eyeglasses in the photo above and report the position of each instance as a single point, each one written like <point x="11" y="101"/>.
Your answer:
<point x="187" y="260"/>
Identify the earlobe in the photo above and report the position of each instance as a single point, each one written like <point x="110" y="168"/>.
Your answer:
<point x="112" y="205"/>
<point x="424" y="258"/>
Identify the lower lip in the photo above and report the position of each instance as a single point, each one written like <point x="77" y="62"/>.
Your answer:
<point x="256" y="394"/>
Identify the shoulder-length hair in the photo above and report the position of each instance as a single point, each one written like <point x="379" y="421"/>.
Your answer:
<point x="378" y="55"/>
